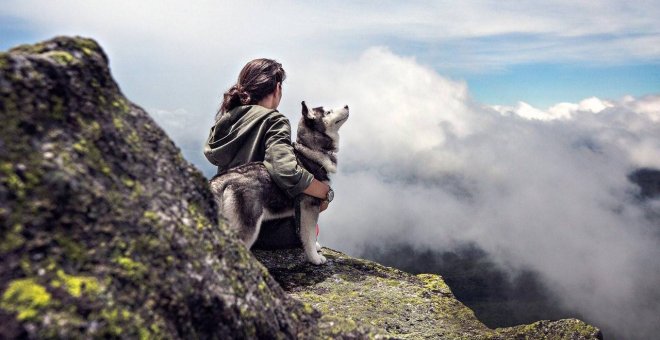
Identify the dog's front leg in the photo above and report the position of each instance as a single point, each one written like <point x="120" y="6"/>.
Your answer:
<point x="309" y="216"/>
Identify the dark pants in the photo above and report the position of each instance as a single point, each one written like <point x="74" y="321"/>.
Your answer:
<point x="278" y="234"/>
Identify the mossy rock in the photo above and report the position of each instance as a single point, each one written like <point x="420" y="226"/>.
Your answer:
<point x="360" y="295"/>
<point x="106" y="231"/>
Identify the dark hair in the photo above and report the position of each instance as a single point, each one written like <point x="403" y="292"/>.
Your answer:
<point x="257" y="79"/>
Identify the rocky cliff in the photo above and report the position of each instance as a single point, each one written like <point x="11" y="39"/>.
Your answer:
<point x="106" y="231"/>
<point x="380" y="300"/>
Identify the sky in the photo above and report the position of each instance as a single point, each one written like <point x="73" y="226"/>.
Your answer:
<point x="511" y="125"/>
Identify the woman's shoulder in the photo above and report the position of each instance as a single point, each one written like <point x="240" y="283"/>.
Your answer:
<point x="275" y="115"/>
<point x="259" y="110"/>
<point x="255" y="113"/>
<point x="268" y="116"/>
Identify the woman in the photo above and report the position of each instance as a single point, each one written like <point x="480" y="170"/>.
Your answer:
<point x="248" y="128"/>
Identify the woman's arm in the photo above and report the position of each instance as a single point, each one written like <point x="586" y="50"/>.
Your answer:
<point x="320" y="190"/>
<point x="281" y="163"/>
<point x="317" y="189"/>
<point x="280" y="159"/>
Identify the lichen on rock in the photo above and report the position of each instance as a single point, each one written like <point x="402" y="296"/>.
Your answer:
<point x="106" y="231"/>
<point x="25" y="297"/>
<point x="354" y="294"/>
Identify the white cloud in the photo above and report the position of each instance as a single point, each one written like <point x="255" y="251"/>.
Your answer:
<point x="557" y="111"/>
<point x="421" y="163"/>
<point x="649" y="106"/>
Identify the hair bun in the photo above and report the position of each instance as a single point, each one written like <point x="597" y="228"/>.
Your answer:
<point x="244" y="96"/>
<point x="257" y="80"/>
<point x="237" y="93"/>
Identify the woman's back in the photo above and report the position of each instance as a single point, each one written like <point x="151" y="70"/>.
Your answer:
<point x="249" y="128"/>
<point x="238" y="137"/>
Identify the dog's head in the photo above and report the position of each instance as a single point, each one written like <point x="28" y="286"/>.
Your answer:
<point x="324" y="119"/>
<point x="318" y="126"/>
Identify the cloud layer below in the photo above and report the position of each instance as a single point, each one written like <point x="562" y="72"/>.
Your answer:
<point x="420" y="162"/>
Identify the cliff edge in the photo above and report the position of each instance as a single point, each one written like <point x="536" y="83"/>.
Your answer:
<point x="107" y="231"/>
<point x="352" y="292"/>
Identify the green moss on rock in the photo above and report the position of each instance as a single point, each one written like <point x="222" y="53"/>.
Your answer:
<point x="132" y="268"/>
<point x="73" y="251"/>
<point x="62" y="57"/>
<point x="12" y="239"/>
<point x="4" y="61"/>
<point x="551" y="330"/>
<point x="121" y="105"/>
<point x="118" y="235"/>
<point x="77" y="285"/>
<point x="10" y="179"/>
<point x="359" y="295"/>
<point x="118" y="123"/>
<point x="25" y="297"/>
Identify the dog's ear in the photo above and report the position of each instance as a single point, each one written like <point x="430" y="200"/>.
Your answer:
<point x="305" y="110"/>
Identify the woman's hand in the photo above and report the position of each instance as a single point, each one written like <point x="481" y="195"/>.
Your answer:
<point x="317" y="189"/>
<point x="320" y="190"/>
<point x="324" y="205"/>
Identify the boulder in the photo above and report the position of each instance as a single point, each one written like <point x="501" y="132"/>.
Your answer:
<point x="387" y="302"/>
<point x="107" y="231"/>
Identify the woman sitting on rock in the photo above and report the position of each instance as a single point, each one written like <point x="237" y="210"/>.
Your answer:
<point x="248" y="128"/>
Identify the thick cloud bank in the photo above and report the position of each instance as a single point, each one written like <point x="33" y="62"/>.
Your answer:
<point x="420" y="162"/>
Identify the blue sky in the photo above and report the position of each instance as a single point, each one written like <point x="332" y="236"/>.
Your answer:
<point x="546" y="84"/>
<point x="540" y="84"/>
<point x="541" y="81"/>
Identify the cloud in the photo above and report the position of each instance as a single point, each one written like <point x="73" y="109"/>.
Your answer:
<point x="420" y="162"/>
<point x="557" y="111"/>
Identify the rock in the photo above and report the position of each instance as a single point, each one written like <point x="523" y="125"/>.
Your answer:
<point x="561" y="329"/>
<point x="351" y="293"/>
<point x="278" y="234"/>
<point x="106" y="230"/>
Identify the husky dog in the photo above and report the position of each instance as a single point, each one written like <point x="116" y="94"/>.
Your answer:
<point x="246" y="195"/>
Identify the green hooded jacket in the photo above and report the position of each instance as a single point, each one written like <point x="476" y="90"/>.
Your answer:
<point x="253" y="133"/>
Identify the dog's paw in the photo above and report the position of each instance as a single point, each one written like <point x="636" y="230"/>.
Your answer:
<point x="318" y="246"/>
<point x="318" y="259"/>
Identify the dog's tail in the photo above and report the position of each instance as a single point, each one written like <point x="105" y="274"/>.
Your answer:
<point x="218" y="186"/>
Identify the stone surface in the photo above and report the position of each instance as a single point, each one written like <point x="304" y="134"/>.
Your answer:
<point x="351" y="293"/>
<point x="106" y="230"/>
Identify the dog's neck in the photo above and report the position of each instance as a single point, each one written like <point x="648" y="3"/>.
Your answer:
<point x="327" y="159"/>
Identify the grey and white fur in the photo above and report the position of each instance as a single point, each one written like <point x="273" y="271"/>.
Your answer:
<point x="247" y="196"/>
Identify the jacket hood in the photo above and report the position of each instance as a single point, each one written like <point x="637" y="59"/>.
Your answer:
<point x="231" y="131"/>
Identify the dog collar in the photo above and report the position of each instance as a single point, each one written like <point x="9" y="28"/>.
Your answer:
<point x="330" y="195"/>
